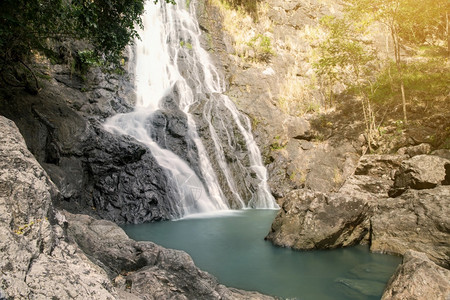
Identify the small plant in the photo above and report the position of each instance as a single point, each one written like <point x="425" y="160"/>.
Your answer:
<point x="23" y="229"/>
<point x="261" y="44"/>
<point x="277" y="144"/>
<point x="85" y="60"/>
<point x="186" y="44"/>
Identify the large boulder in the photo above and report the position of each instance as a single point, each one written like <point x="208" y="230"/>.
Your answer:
<point x="421" y="172"/>
<point x="418" y="220"/>
<point x="418" y="278"/>
<point x="313" y="220"/>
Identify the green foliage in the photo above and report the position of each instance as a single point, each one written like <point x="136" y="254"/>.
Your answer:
<point x="262" y="46"/>
<point x="424" y="80"/>
<point x="343" y="52"/>
<point x="186" y="44"/>
<point x="412" y="21"/>
<point x="85" y="60"/>
<point x="27" y="26"/>
<point x="277" y="144"/>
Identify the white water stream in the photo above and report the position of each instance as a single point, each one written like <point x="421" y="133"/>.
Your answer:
<point x="170" y="62"/>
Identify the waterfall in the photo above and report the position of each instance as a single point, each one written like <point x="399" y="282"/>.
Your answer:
<point x="192" y="129"/>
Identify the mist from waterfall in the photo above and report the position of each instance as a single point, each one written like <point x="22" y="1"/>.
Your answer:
<point x="174" y="75"/>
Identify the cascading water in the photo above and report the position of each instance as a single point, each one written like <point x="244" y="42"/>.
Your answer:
<point x="179" y="94"/>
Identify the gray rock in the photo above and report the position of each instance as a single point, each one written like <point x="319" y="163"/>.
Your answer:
<point x="444" y="153"/>
<point x="144" y="268"/>
<point x="362" y="211"/>
<point x="313" y="220"/>
<point x="98" y="173"/>
<point x="379" y="165"/>
<point x="35" y="261"/>
<point x="212" y="109"/>
<point x="417" y="220"/>
<point x="298" y="128"/>
<point x="421" y="172"/>
<point x="415" y="150"/>
<point x="418" y="278"/>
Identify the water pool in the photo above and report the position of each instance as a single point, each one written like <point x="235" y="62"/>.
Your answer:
<point x="231" y="246"/>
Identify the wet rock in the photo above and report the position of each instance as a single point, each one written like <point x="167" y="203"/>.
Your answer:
<point x="418" y="278"/>
<point x="169" y="128"/>
<point x="97" y="172"/>
<point x="364" y="287"/>
<point x="233" y="170"/>
<point x="372" y="271"/>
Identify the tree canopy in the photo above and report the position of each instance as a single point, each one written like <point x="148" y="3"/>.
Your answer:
<point x="31" y="25"/>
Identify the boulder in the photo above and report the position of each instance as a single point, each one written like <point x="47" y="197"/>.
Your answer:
<point x="411" y="151"/>
<point x="418" y="278"/>
<point x="362" y="212"/>
<point x="416" y="220"/>
<point x="421" y="172"/>
<point x="314" y="220"/>
<point x="379" y="165"/>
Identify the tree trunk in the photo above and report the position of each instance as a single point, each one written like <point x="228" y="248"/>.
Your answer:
<point x="402" y="87"/>
<point x="398" y="62"/>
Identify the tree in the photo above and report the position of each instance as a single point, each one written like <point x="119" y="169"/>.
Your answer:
<point x="345" y="57"/>
<point x="28" y="26"/>
<point x="341" y="52"/>
<point x="408" y="21"/>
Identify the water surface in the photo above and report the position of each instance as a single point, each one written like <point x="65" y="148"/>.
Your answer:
<point x="231" y="246"/>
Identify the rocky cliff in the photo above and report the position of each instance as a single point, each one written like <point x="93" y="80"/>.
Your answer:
<point x="50" y="253"/>
<point x="98" y="173"/>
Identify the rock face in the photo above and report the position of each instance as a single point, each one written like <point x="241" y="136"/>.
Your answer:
<point x="416" y="220"/>
<point x="98" y="173"/>
<point x="35" y="260"/>
<point x="295" y="155"/>
<point x="418" y="278"/>
<point x="362" y="212"/>
<point x="47" y="253"/>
